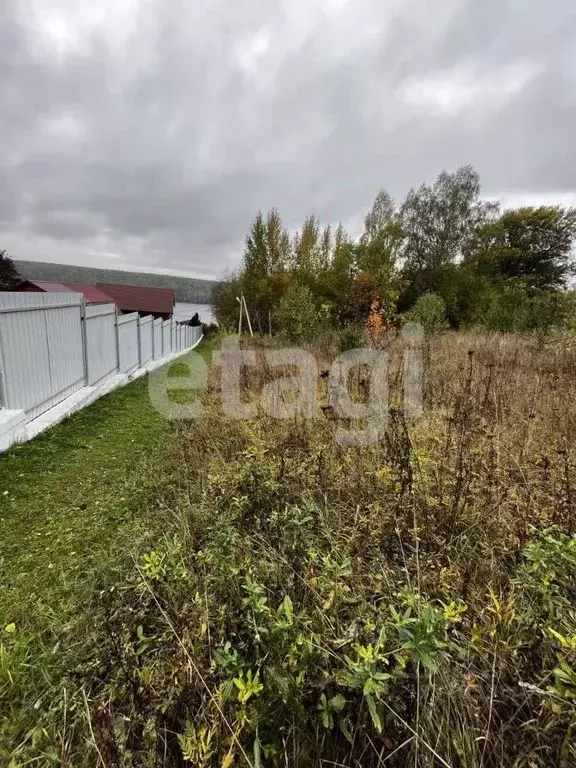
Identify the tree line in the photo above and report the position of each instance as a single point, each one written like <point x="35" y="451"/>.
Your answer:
<point x="444" y="256"/>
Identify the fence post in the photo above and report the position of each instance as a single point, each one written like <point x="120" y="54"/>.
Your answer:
<point x="3" y="394"/>
<point x="84" y="339"/>
<point x="117" y="338"/>
<point x="139" y="337"/>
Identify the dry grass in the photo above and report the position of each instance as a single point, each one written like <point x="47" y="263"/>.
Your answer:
<point x="408" y="603"/>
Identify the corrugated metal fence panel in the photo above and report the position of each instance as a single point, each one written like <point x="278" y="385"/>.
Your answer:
<point x="40" y="349"/>
<point x="24" y="300"/>
<point x="46" y="346"/>
<point x="166" y="340"/>
<point x="158" y="338"/>
<point x="66" y="353"/>
<point x="146" y="338"/>
<point x="128" y="351"/>
<point x="101" y="353"/>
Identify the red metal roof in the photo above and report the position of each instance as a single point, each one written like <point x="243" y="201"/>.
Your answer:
<point x="91" y="294"/>
<point x="47" y="287"/>
<point x="136" y="298"/>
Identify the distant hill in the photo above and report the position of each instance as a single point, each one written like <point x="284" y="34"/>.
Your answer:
<point x="187" y="289"/>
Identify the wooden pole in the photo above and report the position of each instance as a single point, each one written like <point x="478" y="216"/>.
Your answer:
<point x="240" y="318"/>
<point x="247" y="315"/>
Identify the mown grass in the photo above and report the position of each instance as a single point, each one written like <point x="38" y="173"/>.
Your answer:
<point x="407" y="603"/>
<point x="74" y="503"/>
<point x="79" y="495"/>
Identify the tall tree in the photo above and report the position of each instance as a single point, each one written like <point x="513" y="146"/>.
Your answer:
<point x="378" y="250"/>
<point x="325" y="248"/>
<point x="276" y="239"/>
<point x="9" y="276"/>
<point x="534" y="244"/>
<point x="378" y="217"/>
<point x="266" y="257"/>
<point x="307" y="250"/>
<point x="438" y="221"/>
<point x="342" y="259"/>
<point x="256" y="250"/>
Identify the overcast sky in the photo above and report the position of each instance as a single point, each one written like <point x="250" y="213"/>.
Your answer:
<point x="147" y="133"/>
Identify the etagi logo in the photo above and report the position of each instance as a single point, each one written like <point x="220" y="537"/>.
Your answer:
<point x="297" y="394"/>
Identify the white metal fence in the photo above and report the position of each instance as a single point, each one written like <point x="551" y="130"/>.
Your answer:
<point x="128" y="342"/>
<point x="101" y="345"/>
<point x="157" y="345"/>
<point x="146" y="339"/>
<point x="52" y="345"/>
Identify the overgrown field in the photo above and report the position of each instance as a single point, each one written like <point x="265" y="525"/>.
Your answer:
<point x="408" y="603"/>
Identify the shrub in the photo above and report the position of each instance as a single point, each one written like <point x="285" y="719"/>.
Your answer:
<point x="351" y="337"/>
<point x="430" y="312"/>
<point x="297" y="317"/>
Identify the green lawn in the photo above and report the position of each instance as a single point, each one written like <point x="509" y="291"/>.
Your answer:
<point x="78" y="498"/>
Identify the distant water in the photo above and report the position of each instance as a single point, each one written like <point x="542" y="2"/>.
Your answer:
<point x="183" y="311"/>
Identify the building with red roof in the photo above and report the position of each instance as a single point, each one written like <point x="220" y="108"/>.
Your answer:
<point x="92" y="295"/>
<point x="158" y="302"/>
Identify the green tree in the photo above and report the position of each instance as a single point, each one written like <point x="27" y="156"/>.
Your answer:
<point x="379" y="248"/>
<point x="9" y="276"/>
<point x="325" y="249"/>
<point x="297" y="316"/>
<point x="509" y="309"/>
<point x="308" y="251"/>
<point x="277" y="243"/>
<point x="438" y="222"/>
<point x="468" y="296"/>
<point x="334" y="280"/>
<point x="267" y="255"/>
<point x="429" y="312"/>
<point x="534" y="244"/>
<point x="256" y="251"/>
<point x="224" y="303"/>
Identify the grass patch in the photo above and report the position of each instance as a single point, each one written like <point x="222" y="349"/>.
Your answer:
<point x="75" y="502"/>
<point x="79" y="495"/>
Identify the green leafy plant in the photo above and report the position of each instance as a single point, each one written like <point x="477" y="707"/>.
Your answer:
<point x="327" y="708"/>
<point x="248" y="685"/>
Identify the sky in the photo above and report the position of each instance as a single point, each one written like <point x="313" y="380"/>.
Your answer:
<point x="145" y="134"/>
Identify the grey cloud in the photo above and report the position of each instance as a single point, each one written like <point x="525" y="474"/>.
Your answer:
<point x="160" y="134"/>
